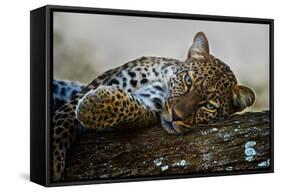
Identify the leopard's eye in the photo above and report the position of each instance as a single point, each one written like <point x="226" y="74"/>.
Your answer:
<point x="188" y="80"/>
<point x="210" y="106"/>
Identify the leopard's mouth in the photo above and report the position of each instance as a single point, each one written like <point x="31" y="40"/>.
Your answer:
<point x="175" y="127"/>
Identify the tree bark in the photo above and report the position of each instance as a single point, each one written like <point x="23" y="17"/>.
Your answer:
<point x="240" y="143"/>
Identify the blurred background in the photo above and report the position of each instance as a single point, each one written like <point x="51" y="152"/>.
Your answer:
<point x="85" y="45"/>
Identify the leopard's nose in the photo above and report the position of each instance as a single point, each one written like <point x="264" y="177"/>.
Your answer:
<point x="175" y="116"/>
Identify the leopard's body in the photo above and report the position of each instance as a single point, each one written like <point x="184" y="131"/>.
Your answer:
<point x="152" y="90"/>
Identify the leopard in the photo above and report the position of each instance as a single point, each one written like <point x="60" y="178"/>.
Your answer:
<point x="152" y="91"/>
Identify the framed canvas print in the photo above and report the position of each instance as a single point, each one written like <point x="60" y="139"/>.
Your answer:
<point x="120" y="95"/>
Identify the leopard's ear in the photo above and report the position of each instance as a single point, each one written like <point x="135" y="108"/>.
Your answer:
<point x="200" y="47"/>
<point x="242" y="97"/>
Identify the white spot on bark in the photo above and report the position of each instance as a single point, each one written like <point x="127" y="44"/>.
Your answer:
<point x="250" y="152"/>
<point x="226" y="137"/>
<point x="164" y="168"/>
<point x="207" y="157"/>
<point x="229" y="168"/>
<point x="250" y="158"/>
<point x="158" y="162"/>
<point x="264" y="163"/>
<point x="203" y="132"/>
<point x="250" y="144"/>
<point x="215" y="129"/>
<point x="181" y="163"/>
<point x="104" y="176"/>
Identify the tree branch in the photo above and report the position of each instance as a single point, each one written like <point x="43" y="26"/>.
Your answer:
<point x="240" y="143"/>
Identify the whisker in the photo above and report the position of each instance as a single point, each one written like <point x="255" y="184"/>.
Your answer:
<point x="184" y="128"/>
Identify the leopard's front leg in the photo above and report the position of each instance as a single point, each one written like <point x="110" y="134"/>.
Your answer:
<point x="112" y="107"/>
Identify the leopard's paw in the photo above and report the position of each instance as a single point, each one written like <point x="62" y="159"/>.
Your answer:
<point x="100" y="108"/>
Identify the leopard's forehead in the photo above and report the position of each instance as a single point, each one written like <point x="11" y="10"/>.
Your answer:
<point x="215" y="75"/>
<point x="210" y="68"/>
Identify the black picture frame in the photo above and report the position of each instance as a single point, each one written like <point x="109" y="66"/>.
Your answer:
<point x="41" y="61"/>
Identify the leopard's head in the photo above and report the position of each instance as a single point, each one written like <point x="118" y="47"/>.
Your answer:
<point x="204" y="90"/>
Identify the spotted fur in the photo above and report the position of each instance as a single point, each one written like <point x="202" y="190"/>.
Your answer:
<point x="63" y="91"/>
<point x="178" y="95"/>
